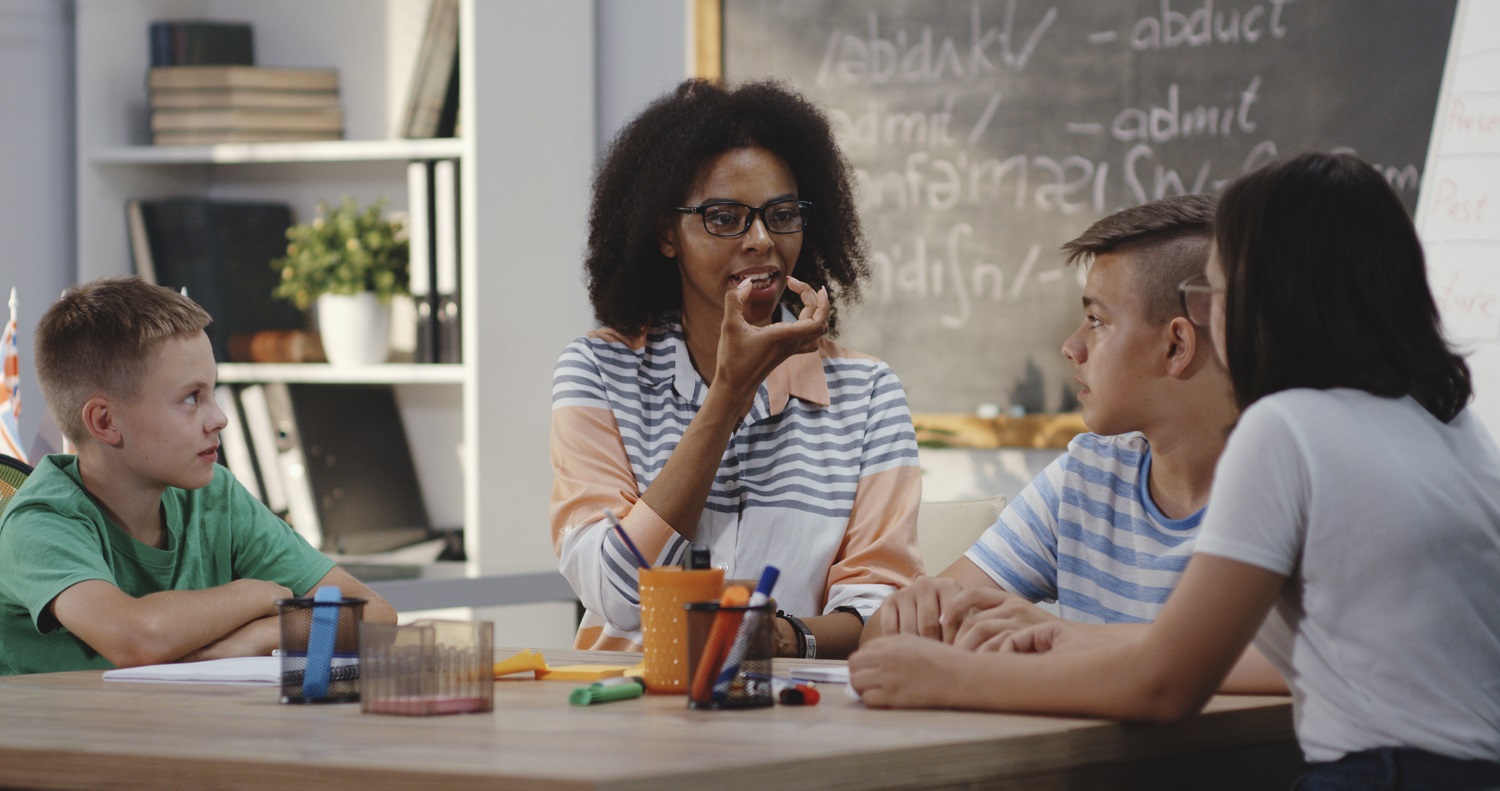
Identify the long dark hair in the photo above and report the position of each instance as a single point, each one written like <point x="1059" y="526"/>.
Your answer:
<point x="651" y="166"/>
<point x="1327" y="287"/>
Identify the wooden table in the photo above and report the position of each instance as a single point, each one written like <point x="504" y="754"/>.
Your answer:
<point x="74" y="730"/>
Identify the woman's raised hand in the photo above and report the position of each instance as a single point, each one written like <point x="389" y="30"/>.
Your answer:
<point x="747" y="354"/>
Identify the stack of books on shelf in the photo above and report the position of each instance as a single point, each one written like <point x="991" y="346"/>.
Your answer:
<point x="200" y="105"/>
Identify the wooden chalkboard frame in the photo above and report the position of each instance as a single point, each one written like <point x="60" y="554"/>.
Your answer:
<point x="934" y="429"/>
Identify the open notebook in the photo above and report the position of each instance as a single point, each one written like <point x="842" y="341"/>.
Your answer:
<point x="244" y="670"/>
<point x="238" y="671"/>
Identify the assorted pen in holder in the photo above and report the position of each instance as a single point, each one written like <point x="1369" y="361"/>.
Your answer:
<point x="320" y="648"/>
<point x="730" y="647"/>
<point x="730" y="650"/>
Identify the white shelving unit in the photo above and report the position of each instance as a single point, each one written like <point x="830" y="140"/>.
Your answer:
<point x="394" y="373"/>
<point x="312" y="151"/>
<point x="478" y="429"/>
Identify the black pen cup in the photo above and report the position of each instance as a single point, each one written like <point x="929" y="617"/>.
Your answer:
<point x="341" y="683"/>
<point x="729" y="655"/>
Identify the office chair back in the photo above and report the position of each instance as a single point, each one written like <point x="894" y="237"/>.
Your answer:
<point x="13" y="473"/>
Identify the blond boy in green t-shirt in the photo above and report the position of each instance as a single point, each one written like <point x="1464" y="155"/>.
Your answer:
<point x="142" y="549"/>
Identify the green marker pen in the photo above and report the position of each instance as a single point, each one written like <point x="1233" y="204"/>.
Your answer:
<point x="599" y="693"/>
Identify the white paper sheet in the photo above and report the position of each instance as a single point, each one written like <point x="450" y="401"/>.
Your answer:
<point x="242" y="670"/>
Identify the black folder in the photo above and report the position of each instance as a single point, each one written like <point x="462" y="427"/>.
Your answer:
<point x="221" y="252"/>
<point x="359" y="467"/>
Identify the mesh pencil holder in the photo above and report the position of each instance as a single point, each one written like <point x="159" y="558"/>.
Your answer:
<point x="338" y="680"/>
<point x="729" y="653"/>
<point x="427" y="667"/>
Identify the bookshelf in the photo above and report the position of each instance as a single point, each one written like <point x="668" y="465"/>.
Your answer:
<point x="312" y="151"/>
<point x="478" y="429"/>
<point x="390" y="373"/>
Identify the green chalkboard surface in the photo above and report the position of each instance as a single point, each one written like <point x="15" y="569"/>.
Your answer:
<point x="986" y="133"/>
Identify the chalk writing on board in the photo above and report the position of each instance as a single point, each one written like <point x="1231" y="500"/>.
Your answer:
<point x="985" y="133"/>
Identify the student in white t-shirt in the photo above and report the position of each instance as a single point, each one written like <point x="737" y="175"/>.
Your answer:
<point x="1356" y="514"/>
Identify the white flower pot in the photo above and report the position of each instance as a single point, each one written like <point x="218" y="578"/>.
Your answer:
<point x="355" y="328"/>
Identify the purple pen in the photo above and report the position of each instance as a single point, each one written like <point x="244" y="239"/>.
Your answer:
<point x="614" y="521"/>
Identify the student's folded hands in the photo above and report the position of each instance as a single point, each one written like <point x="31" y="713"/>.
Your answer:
<point x="983" y="619"/>
<point x="1059" y="635"/>
<point x="918" y="608"/>
<point x="975" y="619"/>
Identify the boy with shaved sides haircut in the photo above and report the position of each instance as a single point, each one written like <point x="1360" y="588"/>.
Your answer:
<point x="1107" y="529"/>
<point x="141" y="549"/>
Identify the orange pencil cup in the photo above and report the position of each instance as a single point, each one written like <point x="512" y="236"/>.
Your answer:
<point x="664" y="590"/>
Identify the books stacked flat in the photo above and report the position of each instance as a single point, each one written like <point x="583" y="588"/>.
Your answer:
<point x="200" y="105"/>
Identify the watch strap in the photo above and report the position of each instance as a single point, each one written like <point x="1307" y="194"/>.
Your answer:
<point x="807" y="642"/>
<point x="852" y="611"/>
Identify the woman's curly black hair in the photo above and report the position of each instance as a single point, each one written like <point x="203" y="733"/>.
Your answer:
<point x="651" y="166"/>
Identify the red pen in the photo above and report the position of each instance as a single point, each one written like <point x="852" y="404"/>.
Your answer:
<point x="800" y="695"/>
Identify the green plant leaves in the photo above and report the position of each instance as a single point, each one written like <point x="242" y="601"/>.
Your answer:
<point x="346" y="249"/>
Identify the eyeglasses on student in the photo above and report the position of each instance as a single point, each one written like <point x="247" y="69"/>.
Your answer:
<point x="1197" y="298"/>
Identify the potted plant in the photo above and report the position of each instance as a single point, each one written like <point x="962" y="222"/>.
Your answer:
<point x="349" y="261"/>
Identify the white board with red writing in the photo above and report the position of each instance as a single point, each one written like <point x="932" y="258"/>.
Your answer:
<point x="1458" y="211"/>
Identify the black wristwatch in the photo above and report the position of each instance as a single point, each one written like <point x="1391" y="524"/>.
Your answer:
<point x="807" y="642"/>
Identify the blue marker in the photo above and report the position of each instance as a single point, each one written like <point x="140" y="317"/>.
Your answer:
<point x="325" y="623"/>
<point x="748" y="626"/>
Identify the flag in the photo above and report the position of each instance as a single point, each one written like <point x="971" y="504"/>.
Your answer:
<point x="10" y="389"/>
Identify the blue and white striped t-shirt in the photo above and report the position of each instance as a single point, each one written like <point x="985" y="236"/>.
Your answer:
<point x="1086" y="534"/>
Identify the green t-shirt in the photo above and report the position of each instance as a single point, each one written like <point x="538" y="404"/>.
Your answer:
<point x="53" y="535"/>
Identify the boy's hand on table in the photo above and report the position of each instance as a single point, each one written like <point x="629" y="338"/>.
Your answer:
<point x="984" y="618"/>
<point x="918" y="609"/>
<point x="1057" y="635"/>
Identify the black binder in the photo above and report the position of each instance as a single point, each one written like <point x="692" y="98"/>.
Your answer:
<point x="359" y="467"/>
<point x="221" y="252"/>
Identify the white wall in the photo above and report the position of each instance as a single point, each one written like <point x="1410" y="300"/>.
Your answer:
<point x="643" y="52"/>
<point x="962" y="474"/>
<point x="36" y="171"/>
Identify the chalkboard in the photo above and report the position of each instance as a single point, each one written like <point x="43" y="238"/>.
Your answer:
<point x="985" y="133"/>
